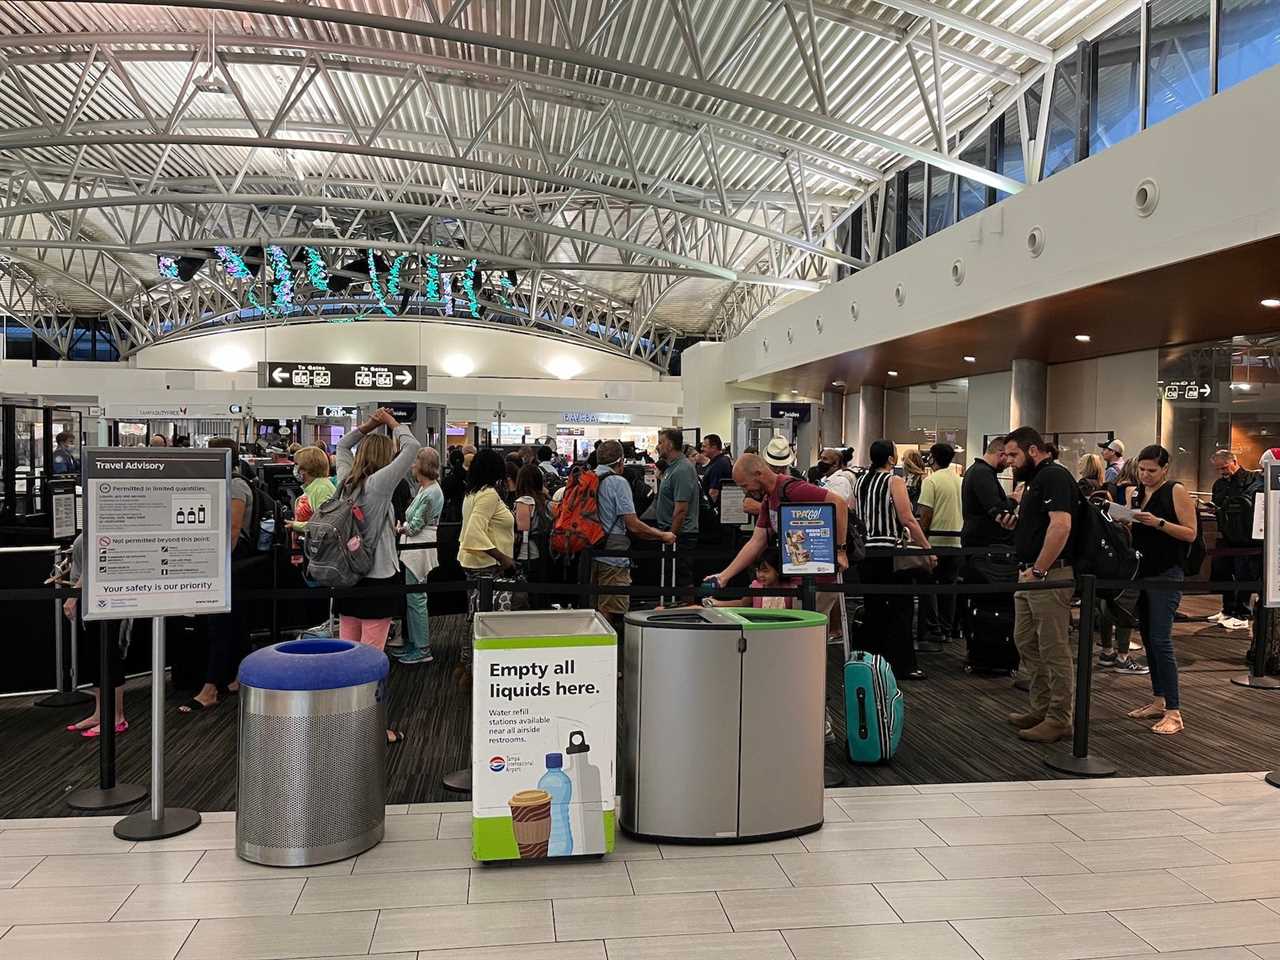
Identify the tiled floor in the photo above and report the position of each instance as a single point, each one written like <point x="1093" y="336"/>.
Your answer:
<point x="1184" y="868"/>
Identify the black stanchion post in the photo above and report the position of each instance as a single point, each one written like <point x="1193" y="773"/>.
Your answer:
<point x="108" y="793"/>
<point x="66" y="694"/>
<point x="1257" y="675"/>
<point x="831" y="775"/>
<point x="160" y="821"/>
<point x="1078" y="762"/>
<point x="459" y="781"/>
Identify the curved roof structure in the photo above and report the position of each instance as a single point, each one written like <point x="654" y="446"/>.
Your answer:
<point x="614" y="170"/>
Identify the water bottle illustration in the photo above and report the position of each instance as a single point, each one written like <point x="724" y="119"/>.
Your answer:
<point x="180" y="516"/>
<point x="588" y="812"/>
<point x="556" y="782"/>
<point x="191" y="514"/>
<point x="200" y="514"/>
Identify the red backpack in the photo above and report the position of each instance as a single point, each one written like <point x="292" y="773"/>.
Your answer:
<point x="577" y="526"/>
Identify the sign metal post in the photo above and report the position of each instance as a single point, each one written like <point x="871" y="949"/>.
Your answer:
<point x="157" y="544"/>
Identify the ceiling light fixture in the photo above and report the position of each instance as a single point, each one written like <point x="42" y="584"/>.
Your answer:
<point x="970" y="359"/>
<point x="230" y="357"/>
<point x="1083" y="338"/>
<point x="458" y="365"/>
<point x="892" y="373"/>
<point x="838" y="383"/>
<point x="1241" y="386"/>
<point x="1271" y="302"/>
<point x="794" y="392"/>
<point x="564" y="368"/>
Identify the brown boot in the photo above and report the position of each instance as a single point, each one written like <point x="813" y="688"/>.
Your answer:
<point x="1047" y="732"/>
<point x="1025" y="721"/>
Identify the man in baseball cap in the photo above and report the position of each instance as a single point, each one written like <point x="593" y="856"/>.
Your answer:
<point x="1113" y="454"/>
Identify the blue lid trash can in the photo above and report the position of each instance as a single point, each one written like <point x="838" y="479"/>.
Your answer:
<point x="312" y="752"/>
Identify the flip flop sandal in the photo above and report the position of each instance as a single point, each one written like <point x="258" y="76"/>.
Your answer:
<point x="1145" y="713"/>
<point x="1168" y="733"/>
<point x="195" y="706"/>
<point x="96" y="731"/>
<point x="80" y="726"/>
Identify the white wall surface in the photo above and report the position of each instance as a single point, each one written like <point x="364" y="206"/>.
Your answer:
<point x="1109" y="393"/>
<point x="988" y="408"/>
<point x="496" y="353"/>
<point x="707" y="392"/>
<point x="1219" y="187"/>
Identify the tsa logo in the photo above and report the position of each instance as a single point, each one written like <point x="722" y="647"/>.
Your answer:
<point x="497" y="764"/>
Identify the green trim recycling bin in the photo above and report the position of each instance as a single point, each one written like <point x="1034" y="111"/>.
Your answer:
<point x="543" y="735"/>
<point x="723" y="714"/>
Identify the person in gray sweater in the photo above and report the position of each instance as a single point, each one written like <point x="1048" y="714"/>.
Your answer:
<point x="369" y="469"/>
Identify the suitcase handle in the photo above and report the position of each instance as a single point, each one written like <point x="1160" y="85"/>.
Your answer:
<point x="862" y="714"/>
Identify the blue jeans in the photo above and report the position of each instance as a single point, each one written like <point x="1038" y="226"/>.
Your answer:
<point x="417" y="628"/>
<point x="1155" y="620"/>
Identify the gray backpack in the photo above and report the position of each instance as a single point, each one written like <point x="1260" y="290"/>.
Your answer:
<point x="338" y="554"/>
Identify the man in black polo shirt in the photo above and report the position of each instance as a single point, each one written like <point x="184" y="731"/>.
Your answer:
<point x="1043" y="544"/>
<point x="982" y="499"/>
<point x="719" y="467"/>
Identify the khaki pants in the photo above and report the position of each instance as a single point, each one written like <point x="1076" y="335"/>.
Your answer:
<point x="607" y="575"/>
<point x="1040" y="630"/>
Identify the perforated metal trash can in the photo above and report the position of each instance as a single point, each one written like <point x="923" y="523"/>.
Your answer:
<point x="313" y="743"/>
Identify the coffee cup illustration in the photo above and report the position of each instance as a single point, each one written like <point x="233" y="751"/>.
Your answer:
<point x="531" y="822"/>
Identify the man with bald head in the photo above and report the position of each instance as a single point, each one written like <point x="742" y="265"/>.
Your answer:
<point x="759" y="482"/>
<point x="159" y="440"/>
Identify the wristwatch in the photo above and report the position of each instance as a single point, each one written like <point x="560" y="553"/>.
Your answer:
<point x="1039" y="574"/>
<point x="1161" y="523"/>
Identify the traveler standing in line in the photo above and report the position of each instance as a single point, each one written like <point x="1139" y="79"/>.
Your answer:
<point x="940" y="509"/>
<point x="1233" y="495"/>
<point x="533" y="528"/>
<point x="421" y="522"/>
<point x="1115" y="614"/>
<point x="1045" y="548"/>
<point x="311" y="468"/>
<point x="679" y="497"/>
<point x="90" y="660"/>
<point x="835" y="475"/>
<point x="885" y="508"/>
<point x="982" y="500"/>
<point x="1163" y="527"/>
<point x="487" y="545"/>
<point x="1093" y="476"/>
<point x="913" y="474"/>
<point x="229" y="632"/>
<point x="159" y="440"/>
<point x="546" y="457"/>
<point x="1113" y="455"/>
<point x="618" y="518"/>
<point x="719" y="466"/>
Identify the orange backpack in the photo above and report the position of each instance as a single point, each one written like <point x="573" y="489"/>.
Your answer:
<point x="577" y="526"/>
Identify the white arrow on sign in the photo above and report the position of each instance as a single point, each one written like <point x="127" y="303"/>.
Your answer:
<point x="279" y="375"/>
<point x="1205" y="390"/>
<point x="406" y="377"/>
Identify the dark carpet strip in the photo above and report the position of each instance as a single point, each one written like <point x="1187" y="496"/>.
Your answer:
<point x="955" y="732"/>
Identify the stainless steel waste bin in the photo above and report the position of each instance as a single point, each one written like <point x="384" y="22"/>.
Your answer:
<point x="312" y="752"/>
<point x="723" y="723"/>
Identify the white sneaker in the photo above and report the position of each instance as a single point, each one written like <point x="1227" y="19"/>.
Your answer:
<point x="1234" y="623"/>
<point x="1218" y="617"/>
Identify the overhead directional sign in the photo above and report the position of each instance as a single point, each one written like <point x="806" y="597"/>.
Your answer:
<point x="1197" y="390"/>
<point x="341" y="376"/>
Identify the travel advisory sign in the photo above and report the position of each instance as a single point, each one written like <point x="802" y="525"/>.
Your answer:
<point x="544" y="730"/>
<point x="156" y="532"/>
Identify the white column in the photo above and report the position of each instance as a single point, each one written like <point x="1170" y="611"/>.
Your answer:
<point x="870" y="421"/>
<point x="1028" y="395"/>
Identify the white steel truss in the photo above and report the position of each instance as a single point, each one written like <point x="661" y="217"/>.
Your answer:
<point x="605" y="150"/>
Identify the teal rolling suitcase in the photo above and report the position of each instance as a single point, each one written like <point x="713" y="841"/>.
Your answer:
<point x="874" y="711"/>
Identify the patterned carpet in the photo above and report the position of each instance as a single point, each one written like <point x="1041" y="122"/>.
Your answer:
<point x="955" y="730"/>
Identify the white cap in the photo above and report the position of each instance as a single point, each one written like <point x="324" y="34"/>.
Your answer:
<point x="779" y="453"/>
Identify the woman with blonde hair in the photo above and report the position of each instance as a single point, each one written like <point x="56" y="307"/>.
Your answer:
<point x="420" y="526"/>
<point x="369" y="470"/>
<point x="1093" y="475"/>
<point x="913" y="472"/>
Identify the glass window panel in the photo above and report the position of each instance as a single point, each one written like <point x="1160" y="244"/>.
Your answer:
<point x="942" y="200"/>
<point x="1064" y="118"/>
<point x="1178" y="62"/>
<point x="915" y="203"/>
<point x="889" y="229"/>
<point x="973" y="195"/>
<point x="1115" y="81"/>
<point x="1248" y="39"/>
<point x="1011" y="160"/>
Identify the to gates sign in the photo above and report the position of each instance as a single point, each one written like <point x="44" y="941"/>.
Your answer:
<point x="341" y="376"/>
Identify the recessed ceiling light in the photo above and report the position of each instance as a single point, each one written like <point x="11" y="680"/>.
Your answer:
<point x="1083" y="338"/>
<point x="893" y="373"/>
<point x="837" y="383"/>
<point x="458" y="365"/>
<point x="795" y="391"/>
<point x="1271" y="302"/>
<point x="564" y="368"/>
<point x="970" y="359"/>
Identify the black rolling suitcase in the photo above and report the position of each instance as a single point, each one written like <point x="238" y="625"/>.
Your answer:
<point x="988" y="634"/>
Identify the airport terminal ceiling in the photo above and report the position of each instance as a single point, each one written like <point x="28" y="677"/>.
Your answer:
<point x="618" y="172"/>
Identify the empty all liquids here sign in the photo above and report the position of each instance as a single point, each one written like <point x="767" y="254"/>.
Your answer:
<point x="157" y="525"/>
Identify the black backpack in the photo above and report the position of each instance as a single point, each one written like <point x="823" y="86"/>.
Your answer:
<point x="1104" y="547"/>
<point x="264" y="506"/>
<point x="1235" y="518"/>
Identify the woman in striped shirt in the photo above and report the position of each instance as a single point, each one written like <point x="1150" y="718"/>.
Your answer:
<point x="885" y="508"/>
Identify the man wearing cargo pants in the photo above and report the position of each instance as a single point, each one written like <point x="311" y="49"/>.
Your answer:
<point x="1044" y="546"/>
